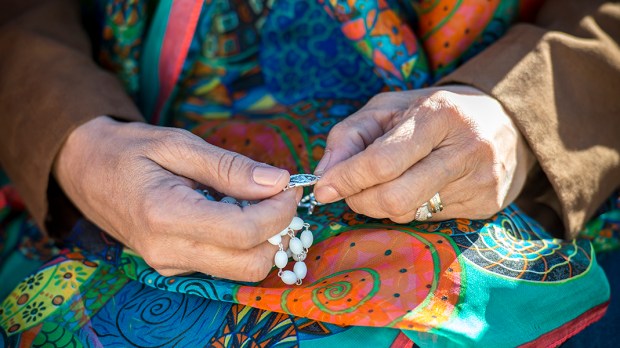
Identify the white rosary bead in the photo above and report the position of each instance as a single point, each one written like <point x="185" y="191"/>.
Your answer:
<point x="306" y="238"/>
<point x="296" y="246"/>
<point x="228" y="200"/>
<point x="284" y="232"/>
<point x="281" y="259"/>
<point x="289" y="278"/>
<point x="300" y="270"/>
<point x="205" y="194"/>
<point x="275" y="240"/>
<point x="297" y="223"/>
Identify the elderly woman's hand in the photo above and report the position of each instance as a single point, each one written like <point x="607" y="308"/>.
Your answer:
<point x="137" y="182"/>
<point x="396" y="152"/>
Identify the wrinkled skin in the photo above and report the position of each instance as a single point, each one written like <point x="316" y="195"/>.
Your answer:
<point x="401" y="148"/>
<point x="137" y="181"/>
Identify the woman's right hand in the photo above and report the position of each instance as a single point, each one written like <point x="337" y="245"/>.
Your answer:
<point x="137" y="182"/>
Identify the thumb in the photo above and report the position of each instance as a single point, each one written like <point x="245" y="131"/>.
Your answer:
<point x="185" y="154"/>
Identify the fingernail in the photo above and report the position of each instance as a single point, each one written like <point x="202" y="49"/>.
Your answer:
<point x="326" y="194"/>
<point x="320" y="168"/>
<point x="267" y="176"/>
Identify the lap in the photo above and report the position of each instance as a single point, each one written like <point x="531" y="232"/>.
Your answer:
<point x="453" y="281"/>
<point x="498" y="282"/>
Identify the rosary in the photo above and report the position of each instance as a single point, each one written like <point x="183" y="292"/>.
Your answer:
<point x="297" y="246"/>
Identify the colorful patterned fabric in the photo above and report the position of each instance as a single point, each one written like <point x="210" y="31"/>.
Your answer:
<point x="269" y="78"/>
<point x="604" y="229"/>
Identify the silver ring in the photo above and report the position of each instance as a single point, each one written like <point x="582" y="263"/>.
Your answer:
<point x="426" y="210"/>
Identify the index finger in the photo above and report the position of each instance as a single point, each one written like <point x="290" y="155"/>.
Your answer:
<point x="387" y="158"/>
<point x="188" y="213"/>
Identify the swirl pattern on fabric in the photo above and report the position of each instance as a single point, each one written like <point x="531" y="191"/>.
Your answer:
<point x="269" y="79"/>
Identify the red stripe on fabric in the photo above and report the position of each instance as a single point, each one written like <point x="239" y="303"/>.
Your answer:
<point x="560" y="335"/>
<point x="180" y="29"/>
<point x="402" y="341"/>
<point x="10" y="197"/>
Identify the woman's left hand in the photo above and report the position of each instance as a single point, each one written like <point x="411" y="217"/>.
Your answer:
<point x="401" y="148"/>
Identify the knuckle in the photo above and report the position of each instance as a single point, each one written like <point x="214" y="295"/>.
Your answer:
<point x="344" y="131"/>
<point x="485" y="150"/>
<point x="469" y="150"/>
<point x="380" y="98"/>
<point x="258" y="269"/>
<point x="337" y="131"/>
<point x="247" y="235"/>
<point x="153" y="215"/>
<point x="178" y="134"/>
<point x="394" y="201"/>
<point x="477" y="155"/>
<point x="385" y="166"/>
<point x="445" y="169"/>
<point x="405" y="219"/>
<point x="170" y="137"/>
<point x="445" y="102"/>
<point x="167" y="144"/>
<point x="228" y="163"/>
<point x="154" y="258"/>
<point x="442" y="98"/>
<point x="129" y="153"/>
<point x="359" y="206"/>
<point x="376" y="98"/>
<point x="348" y="182"/>
<point x="451" y="165"/>
<point x="239" y="239"/>
<point x="488" y="179"/>
<point x="354" y="204"/>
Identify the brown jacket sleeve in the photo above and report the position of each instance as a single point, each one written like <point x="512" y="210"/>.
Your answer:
<point x="559" y="79"/>
<point x="49" y="85"/>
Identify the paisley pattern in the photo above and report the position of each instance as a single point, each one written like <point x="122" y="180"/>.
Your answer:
<point x="604" y="230"/>
<point x="515" y="252"/>
<point x="384" y="39"/>
<point x="269" y="79"/>
<point x="121" y="39"/>
<point x="301" y="61"/>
